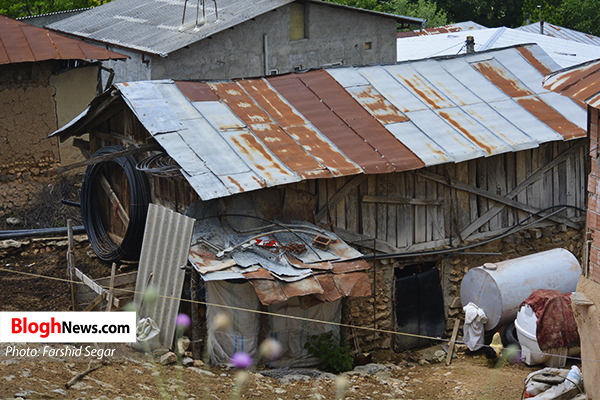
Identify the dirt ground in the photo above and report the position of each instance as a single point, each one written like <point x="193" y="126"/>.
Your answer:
<point x="131" y="375"/>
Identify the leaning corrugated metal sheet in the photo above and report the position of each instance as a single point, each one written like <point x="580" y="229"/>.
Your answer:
<point x="165" y="250"/>
<point x="236" y="136"/>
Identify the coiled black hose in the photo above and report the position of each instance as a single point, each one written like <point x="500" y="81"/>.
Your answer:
<point x="104" y="247"/>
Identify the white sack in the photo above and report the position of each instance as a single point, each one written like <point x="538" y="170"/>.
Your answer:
<point x="475" y="320"/>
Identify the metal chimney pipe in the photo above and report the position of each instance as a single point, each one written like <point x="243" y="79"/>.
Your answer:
<point x="527" y="20"/>
<point x="541" y="22"/>
<point x="470" y="44"/>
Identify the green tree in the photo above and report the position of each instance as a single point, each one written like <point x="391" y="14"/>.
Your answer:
<point x="549" y="10"/>
<point x="426" y="9"/>
<point x="490" y="13"/>
<point x="420" y="9"/>
<point x="24" y="8"/>
<point x="581" y="15"/>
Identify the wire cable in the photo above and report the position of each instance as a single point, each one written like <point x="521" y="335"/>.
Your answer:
<point x="103" y="246"/>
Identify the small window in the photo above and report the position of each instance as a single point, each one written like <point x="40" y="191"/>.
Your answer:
<point x="368" y="45"/>
<point x="297" y="21"/>
<point x="273" y="72"/>
<point x="297" y="68"/>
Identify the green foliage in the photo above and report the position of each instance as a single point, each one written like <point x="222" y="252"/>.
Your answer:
<point x="490" y="13"/>
<point x="425" y="9"/>
<point x="581" y="15"/>
<point x="25" y="8"/>
<point x="334" y="357"/>
<point x="549" y="10"/>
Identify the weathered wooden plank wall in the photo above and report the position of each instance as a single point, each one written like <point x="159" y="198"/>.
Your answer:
<point x="379" y="207"/>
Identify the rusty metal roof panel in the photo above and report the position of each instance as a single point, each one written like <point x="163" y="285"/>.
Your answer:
<point x="569" y="109"/>
<point x="551" y="117"/>
<point x="455" y="144"/>
<point x="503" y="78"/>
<point x="283" y="146"/>
<point x="392" y="90"/>
<point x="474" y="131"/>
<point x="422" y="145"/>
<point x="561" y="32"/>
<point x="477" y="83"/>
<point x="435" y="76"/>
<point x="299" y="128"/>
<point x="332" y="126"/>
<point x="165" y="250"/>
<point x="500" y="126"/>
<point x="333" y="95"/>
<point x="22" y="42"/>
<point x="267" y="169"/>
<point x="580" y="83"/>
<point x="525" y="121"/>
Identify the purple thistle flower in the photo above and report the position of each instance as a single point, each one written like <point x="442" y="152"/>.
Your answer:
<point x="241" y="360"/>
<point x="182" y="321"/>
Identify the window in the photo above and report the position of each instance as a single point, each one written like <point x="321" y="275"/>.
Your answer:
<point x="368" y="45"/>
<point x="297" y="22"/>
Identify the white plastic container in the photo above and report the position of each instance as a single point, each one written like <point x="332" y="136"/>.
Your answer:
<point x="526" y="325"/>
<point x="500" y="288"/>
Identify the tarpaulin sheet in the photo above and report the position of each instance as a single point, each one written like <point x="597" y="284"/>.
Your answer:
<point x="556" y="326"/>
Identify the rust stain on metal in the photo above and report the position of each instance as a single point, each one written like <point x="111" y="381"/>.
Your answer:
<point x="303" y="287"/>
<point x="429" y="94"/>
<point x="330" y="291"/>
<point x="274" y="138"/>
<point x="354" y="284"/>
<point x="196" y="91"/>
<point x="474" y="139"/>
<point x="551" y="117"/>
<point x="261" y="273"/>
<point x="246" y="141"/>
<point x="384" y="111"/>
<point x="345" y="267"/>
<point x="508" y="84"/>
<point x="236" y="183"/>
<point x="533" y="60"/>
<point x="337" y="99"/>
<point x="269" y="100"/>
<point x="333" y="127"/>
<point x="268" y="291"/>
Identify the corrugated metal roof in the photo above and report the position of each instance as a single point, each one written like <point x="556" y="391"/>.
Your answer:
<point x="280" y="261"/>
<point x="581" y="83"/>
<point x="565" y="53"/>
<point x="458" y="27"/>
<point x="561" y="33"/>
<point x="155" y="26"/>
<point x="167" y="238"/>
<point x="235" y="136"/>
<point x="21" y="42"/>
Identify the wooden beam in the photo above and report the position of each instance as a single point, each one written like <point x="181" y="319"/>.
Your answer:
<point x="97" y="300"/>
<point x="401" y="200"/>
<point x="340" y="194"/>
<point x="491" y="195"/>
<point x="109" y="137"/>
<point x="114" y="199"/>
<point x="70" y="266"/>
<point x="111" y="287"/>
<point x="365" y="241"/>
<point x="92" y="284"/>
<point x="112" y="156"/>
<point x="489" y="214"/>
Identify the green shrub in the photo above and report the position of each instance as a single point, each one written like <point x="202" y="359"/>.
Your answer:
<point x="334" y="357"/>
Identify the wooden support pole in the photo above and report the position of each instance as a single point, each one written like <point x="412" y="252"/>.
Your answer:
<point x="111" y="287"/>
<point x="195" y="279"/>
<point x="114" y="200"/>
<point x="452" y="341"/>
<point x="70" y="261"/>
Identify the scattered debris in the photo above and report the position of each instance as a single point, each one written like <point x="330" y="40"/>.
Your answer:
<point x="168" y="358"/>
<point x="82" y="374"/>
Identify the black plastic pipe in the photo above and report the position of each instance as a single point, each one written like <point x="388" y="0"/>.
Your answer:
<point x="16" y="234"/>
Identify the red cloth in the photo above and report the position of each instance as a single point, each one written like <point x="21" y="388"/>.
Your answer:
<point x="556" y="326"/>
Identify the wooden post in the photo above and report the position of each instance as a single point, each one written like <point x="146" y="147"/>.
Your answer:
<point x="452" y="340"/>
<point x="70" y="261"/>
<point x="195" y="320"/>
<point x="111" y="288"/>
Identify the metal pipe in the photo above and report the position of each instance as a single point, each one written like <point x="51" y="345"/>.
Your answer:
<point x="4" y="235"/>
<point x="265" y="43"/>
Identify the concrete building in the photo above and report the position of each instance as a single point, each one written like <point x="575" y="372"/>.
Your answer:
<point x="235" y="38"/>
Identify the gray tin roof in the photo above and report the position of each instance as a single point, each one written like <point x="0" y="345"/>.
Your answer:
<point x="155" y="26"/>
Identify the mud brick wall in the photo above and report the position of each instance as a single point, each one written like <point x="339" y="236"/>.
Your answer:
<point x="28" y="116"/>
<point x="593" y="214"/>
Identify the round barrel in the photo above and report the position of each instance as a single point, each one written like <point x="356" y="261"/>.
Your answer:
<point x="500" y="288"/>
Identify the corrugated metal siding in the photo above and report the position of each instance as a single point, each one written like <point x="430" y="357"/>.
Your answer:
<point x="165" y="250"/>
<point x="561" y="33"/>
<point x="580" y="83"/>
<point x="21" y="42"/>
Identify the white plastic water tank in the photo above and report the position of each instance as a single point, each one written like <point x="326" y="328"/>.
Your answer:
<point x="500" y="288"/>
